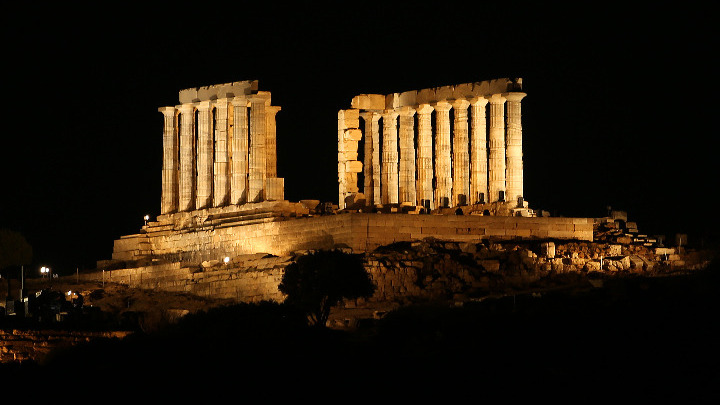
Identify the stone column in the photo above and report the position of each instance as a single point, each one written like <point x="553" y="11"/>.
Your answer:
<point x="443" y="159"/>
<point x="478" y="151"/>
<point x="513" y="143"/>
<point x="271" y="162"/>
<point x="406" y="175"/>
<point x="425" y="157"/>
<point x="169" y="201"/>
<point x="221" y="169"/>
<point x="239" y="152"/>
<point x="389" y="182"/>
<point x="187" y="158"/>
<point x="258" y="148"/>
<point x="371" y="167"/>
<point x="496" y="143"/>
<point x="461" y="153"/>
<point x="204" y="157"/>
<point x="349" y="135"/>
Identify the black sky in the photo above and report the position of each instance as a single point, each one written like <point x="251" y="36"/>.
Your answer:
<point x="618" y="110"/>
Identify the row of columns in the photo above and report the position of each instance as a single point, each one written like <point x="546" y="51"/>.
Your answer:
<point x="219" y="152"/>
<point x="480" y="161"/>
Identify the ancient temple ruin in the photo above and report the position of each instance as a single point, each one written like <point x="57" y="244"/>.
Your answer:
<point x="443" y="151"/>
<point x="437" y="148"/>
<point x="219" y="148"/>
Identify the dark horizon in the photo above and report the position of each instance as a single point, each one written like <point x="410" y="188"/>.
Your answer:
<point x="617" y="109"/>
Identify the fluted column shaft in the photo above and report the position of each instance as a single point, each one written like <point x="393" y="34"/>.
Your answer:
<point x="186" y="198"/>
<point x="204" y="157"/>
<point x="271" y="162"/>
<point x="425" y="157"/>
<point x="169" y="200"/>
<point x="221" y="169"/>
<point x="371" y="164"/>
<point x="478" y="151"/>
<point x="406" y="175"/>
<point x="443" y="158"/>
<point x="461" y="153"/>
<point x="496" y="144"/>
<point x="258" y="149"/>
<point x="239" y="152"/>
<point x="513" y="147"/>
<point x="389" y="182"/>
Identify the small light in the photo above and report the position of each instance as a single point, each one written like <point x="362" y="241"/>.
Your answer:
<point x="147" y="217"/>
<point x="226" y="259"/>
<point x="69" y="293"/>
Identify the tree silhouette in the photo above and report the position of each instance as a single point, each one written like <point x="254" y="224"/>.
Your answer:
<point x="316" y="282"/>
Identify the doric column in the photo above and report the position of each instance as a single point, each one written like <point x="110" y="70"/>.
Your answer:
<point x="371" y="166"/>
<point x="187" y="158"/>
<point x="221" y="169"/>
<point x="349" y="135"/>
<point x="169" y="201"/>
<point x="406" y="175"/>
<point x="258" y="148"/>
<point x="389" y="182"/>
<point x="461" y="153"/>
<point x="513" y="144"/>
<point x="443" y="159"/>
<point x="204" y="157"/>
<point x="271" y="162"/>
<point x="239" y="152"/>
<point x="496" y="144"/>
<point x="425" y="157"/>
<point x="478" y="151"/>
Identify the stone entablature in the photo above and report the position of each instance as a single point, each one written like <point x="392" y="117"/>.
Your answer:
<point x="219" y="148"/>
<point x="435" y="148"/>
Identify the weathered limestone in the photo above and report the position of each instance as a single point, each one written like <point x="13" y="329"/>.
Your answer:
<point x="514" y="146"/>
<point x="219" y="148"/>
<point x="443" y="158"/>
<point x="221" y="169"/>
<point x="239" y="165"/>
<point x="406" y="175"/>
<point x="348" y="165"/>
<point x="371" y="165"/>
<point x="458" y="162"/>
<point x="187" y="158"/>
<point x="271" y="159"/>
<point x="461" y="153"/>
<point x="478" y="151"/>
<point x="170" y="162"/>
<point x="257" y="166"/>
<point x="425" y="157"/>
<point x="389" y="186"/>
<point x="496" y="146"/>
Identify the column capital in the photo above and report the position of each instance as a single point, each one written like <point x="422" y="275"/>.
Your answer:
<point x="407" y="111"/>
<point x="423" y="109"/>
<point x="514" y="96"/>
<point x="260" y="96"/>
<point x="442" y="106"/>
<point x="204" y="105"/>
<point x="167" y="110"/>
<point x="460" y="103"/>
<point x="370" y="115"/>
<point x="240" y="101"/>
<point x="186" y="107"/>
<point x="392" y="114"/>
<point x="497" y="99"/>
<point x="478" y="101"/>
<point x="272" y="109"/>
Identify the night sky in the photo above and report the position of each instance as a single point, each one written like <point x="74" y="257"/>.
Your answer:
<point x="617" y="114"/>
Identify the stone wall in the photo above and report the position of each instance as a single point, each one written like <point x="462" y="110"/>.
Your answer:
<point x="361" y="232"/>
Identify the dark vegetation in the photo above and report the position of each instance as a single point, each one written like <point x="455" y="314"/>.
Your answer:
<point x="635" y="339"/>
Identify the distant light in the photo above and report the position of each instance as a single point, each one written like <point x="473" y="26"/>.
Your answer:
<point x="147" y="217"/>
<point x="44" y="270"/>
<point x="226" y="259"/>
<point x="69" y="293"/>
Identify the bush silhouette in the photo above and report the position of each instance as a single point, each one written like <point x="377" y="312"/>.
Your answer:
<point x="320" y="280"/>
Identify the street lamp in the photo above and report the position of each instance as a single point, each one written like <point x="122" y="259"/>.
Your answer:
<point x="146" y="218"/>
<point x="45" y="271"/>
